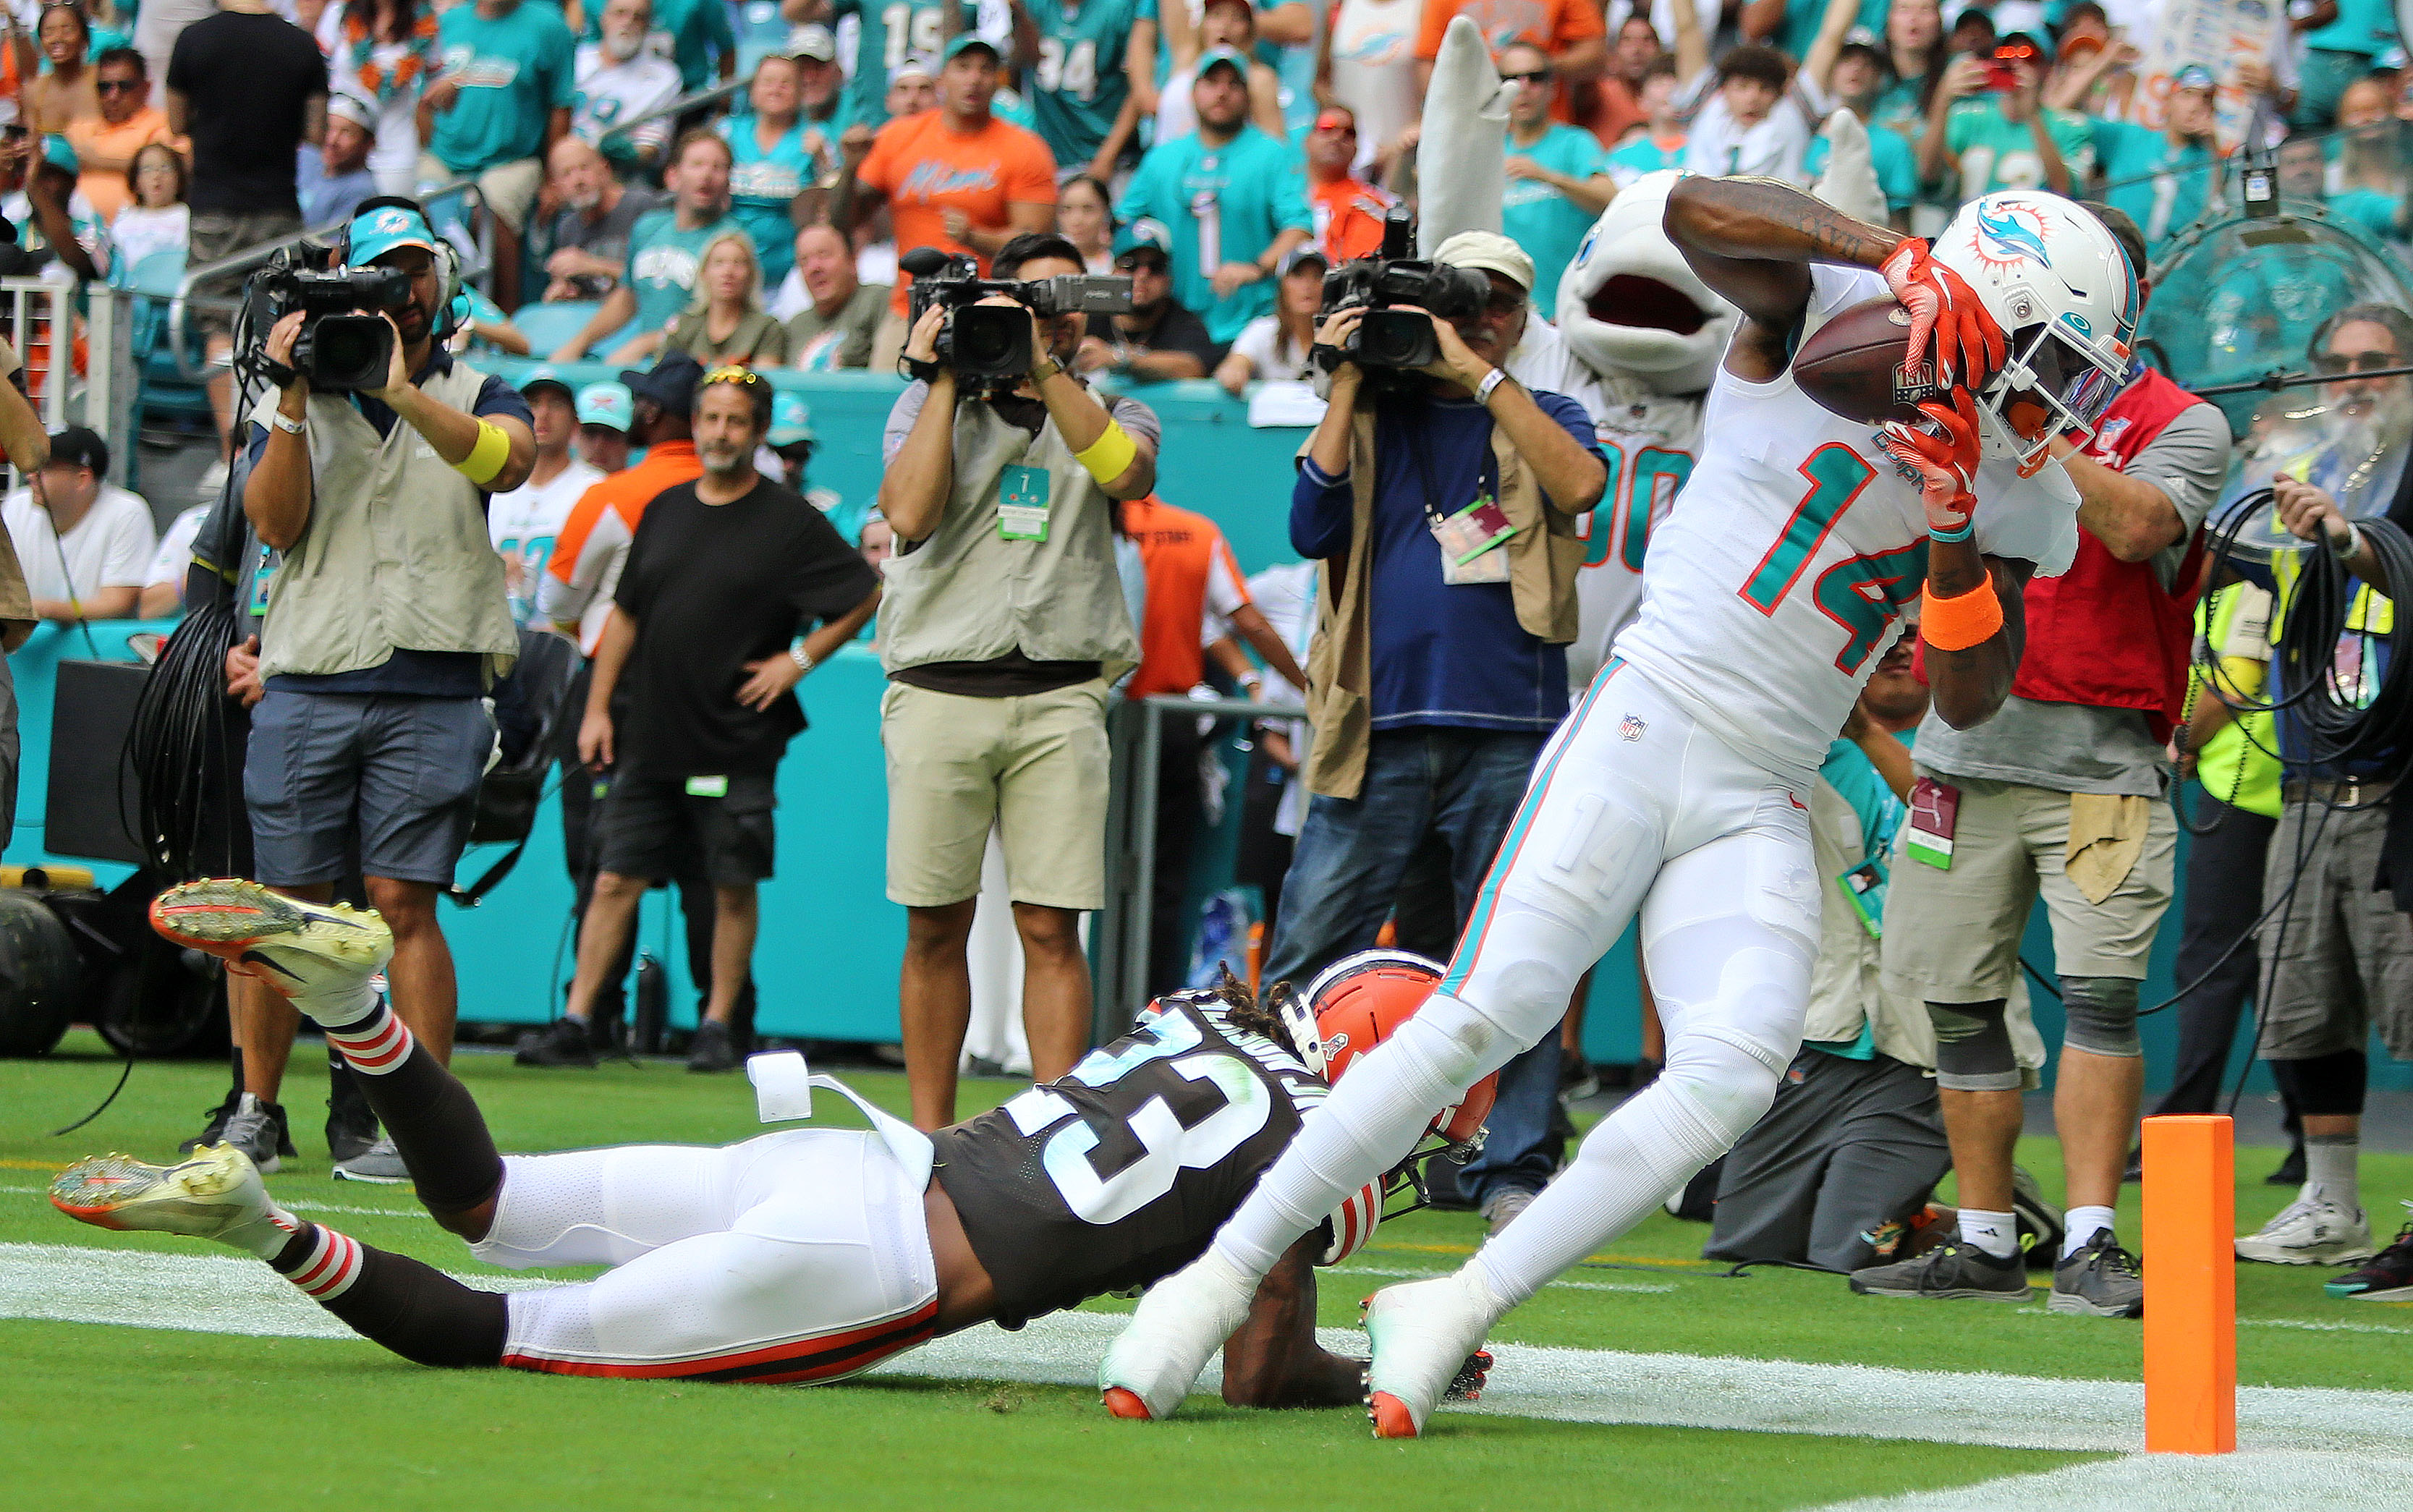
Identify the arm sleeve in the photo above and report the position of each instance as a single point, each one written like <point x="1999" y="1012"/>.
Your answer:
<point x="901" y="416"/>
<point x="1139" y="421"/>
<point x="131" y="546"/>
<point x="1320" y="507"/>
<point x="2188" y="461"/>
<point x="1185" y="331"/>
<point x="1227" y="592"/>
<point x="1030" y="177"/>
<point x="1436" y="22"/>
<point x="1291" y="212"/>
<point x="873" y="174"/>
<point x="831" y="576"/>
<point x="561" y="64"/>
<point x="582" y="553"/>
<point x="498" y="400"/>
<point x="629" y="592"/>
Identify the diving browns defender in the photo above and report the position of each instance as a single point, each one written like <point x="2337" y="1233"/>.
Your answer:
<point x="802" y="1255"/>
<point x="1673" y="789"/>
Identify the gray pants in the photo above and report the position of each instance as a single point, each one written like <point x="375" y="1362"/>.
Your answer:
<point x="1846" y="1146"/>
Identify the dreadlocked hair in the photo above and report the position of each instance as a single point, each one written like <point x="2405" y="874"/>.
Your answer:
<point x="1243" y="1011"/>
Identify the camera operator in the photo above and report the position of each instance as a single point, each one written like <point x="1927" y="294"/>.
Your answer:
<point x="1439" y="665"/>
<point x="1002" y="629"/>
<point x="387" y="619"/>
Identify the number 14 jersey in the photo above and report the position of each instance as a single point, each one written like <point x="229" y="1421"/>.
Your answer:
<point x="1120" y="1173"/>
<point x="1769" y="592"/>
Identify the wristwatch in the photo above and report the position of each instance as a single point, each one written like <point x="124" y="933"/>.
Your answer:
<point x="1044" y="368"/>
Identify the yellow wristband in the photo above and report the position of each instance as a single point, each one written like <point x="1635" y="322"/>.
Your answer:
<point x="1110" y="454"/>
<point x="487" y="457"/>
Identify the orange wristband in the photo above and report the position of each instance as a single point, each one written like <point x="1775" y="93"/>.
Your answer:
<point x="1959" y="623"/>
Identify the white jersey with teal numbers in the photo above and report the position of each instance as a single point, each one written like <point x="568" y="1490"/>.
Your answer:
<point x="1772" y="587"/>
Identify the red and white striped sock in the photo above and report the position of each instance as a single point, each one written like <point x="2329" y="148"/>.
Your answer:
<point x="323" y="1263"/>
<point x="375" y="1045"/>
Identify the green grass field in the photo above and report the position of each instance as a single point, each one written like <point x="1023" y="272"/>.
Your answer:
<point x="219" y="1415"/>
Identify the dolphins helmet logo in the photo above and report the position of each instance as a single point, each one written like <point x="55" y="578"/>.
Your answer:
<point x="2007" y="237"/>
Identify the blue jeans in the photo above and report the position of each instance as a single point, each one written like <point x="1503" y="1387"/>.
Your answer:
<point x="1462" y="786"/>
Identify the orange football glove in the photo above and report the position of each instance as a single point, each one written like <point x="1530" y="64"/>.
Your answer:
<point x="1946" y="464"/>
<point x="1947" y="321"/>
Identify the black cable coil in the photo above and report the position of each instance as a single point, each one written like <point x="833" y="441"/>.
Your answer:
<point x="181" y="749"/>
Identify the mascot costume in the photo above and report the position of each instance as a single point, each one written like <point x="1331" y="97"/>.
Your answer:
<point x="1639" y="335"/>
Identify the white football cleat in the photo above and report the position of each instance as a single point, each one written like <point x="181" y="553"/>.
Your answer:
<point x="1179" y="1325"/>
<point x="321" y="958"/>
<point x="216" y="1194"/>
<point x="1422" y="1333"/>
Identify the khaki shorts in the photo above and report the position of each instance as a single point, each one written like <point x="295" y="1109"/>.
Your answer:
<point x="217" y="234"/>
<point x="507" y="188"/>
<point x="1955" y="934"/>
<point x="1035" y="766"/>
<point x="2339" y="953"/>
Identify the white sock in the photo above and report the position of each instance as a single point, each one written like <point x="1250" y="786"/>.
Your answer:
<point x="2080" y="1224"/>
<point x="2330" y="1172"/>
<point x="1997" y="1233"/>
<point x="1368" y="1124"/>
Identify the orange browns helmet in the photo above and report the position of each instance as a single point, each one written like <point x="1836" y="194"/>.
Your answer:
<point x="1357" y="1002"/>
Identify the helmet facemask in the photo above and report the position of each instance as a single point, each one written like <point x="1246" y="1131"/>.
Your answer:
<point x="2049" y="385"/>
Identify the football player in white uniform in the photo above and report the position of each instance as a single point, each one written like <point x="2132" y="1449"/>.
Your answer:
<point x="1675" y="788"/>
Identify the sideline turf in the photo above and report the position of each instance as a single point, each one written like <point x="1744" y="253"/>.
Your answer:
<point x="343" y="1418"/>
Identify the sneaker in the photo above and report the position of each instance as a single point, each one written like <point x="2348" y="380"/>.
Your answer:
<point x="381" y="1165"/>
<point x="214" y="1127"/>
<point x="562" y="1043"/>
<point x="1501" y="1209"/>
<point x="2310" y="1231"/>
<point x="217" y="1195"/>
<point x="1178" y="1327"/>
<point x="351" y="1127"/>
<point x="2101" y="1281"/>
<point x="1422" y="1334"/>
<point x="1951" y="1269"/>
<point x="257" y="1128"/>
<point x="322" y="958"/>
<point x="2389" y="1278"/>
<point x="711" y="1050"/>
<point x="2040" y="1222"/>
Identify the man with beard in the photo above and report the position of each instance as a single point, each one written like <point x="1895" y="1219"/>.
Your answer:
<point x="2341" y="954"/>
<point x="590" y="236"/>
<point x="620" y="78"/>
<point x="1160" y="338"/>
<point x="382" y="637"/>
<point x="707" y="632"/>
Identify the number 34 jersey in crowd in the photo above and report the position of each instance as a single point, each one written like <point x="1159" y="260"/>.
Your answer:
<point x="1781" y="574"/>
<point x="1120" y="1173"/>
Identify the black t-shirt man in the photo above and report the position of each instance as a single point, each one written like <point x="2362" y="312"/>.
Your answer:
<point x="711" y="588"/>
<point x="247" y="78"/>
<point x="1172" y="326"/>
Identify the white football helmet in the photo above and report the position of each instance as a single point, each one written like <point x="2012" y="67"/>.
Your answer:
<point x="2060" y="287"/>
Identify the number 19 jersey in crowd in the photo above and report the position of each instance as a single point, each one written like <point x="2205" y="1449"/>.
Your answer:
<point x="1770" y="592"/>
<point x="1120" y="1172"/>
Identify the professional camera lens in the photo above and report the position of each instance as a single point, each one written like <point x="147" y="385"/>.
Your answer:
<point x="349" y="351"/>
<point x="992" y="340"/>
<point x="1401" y="338"/>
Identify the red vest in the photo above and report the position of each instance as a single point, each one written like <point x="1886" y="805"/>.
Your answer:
<point x="2106" y="634"/>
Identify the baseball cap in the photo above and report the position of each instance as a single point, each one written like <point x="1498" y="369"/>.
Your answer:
<point x="1222" y="56"/>
<point x="606" y="403"/>
<point x="965" y="41"/>
<point x="79" y="446"/>
<point x="813" y="40"/>
<point x="385" y="228"/>
<point x="1304" y="252"/>
<point x="2194" y="76"/>
<point x="546" y="377"/>
<point x="1488" y="252"/>
<point x="914" y="63"/>
<point x="1142" y="252"/>
<point x="344" y="106"/>
<point x="669" y="383"/>
<point x="791" y="418"/>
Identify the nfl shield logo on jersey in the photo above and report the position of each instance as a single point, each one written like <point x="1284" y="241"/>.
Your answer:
<point x="1630" y="728"/>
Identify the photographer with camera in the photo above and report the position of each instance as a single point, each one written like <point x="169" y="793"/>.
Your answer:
<point x="387" y="619"/>
<point x="1439" y="497"/>
<point x="1003" y="627"/>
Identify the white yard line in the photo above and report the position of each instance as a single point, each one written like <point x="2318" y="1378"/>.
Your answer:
<point x="2248" y="1481"/>
<point x="217" y="1293"/>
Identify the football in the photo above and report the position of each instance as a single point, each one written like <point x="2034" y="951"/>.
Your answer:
<point x="1850" y="365"/>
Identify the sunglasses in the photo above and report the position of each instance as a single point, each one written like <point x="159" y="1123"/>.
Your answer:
<point x="1539" y="76"/>
<point x="2356" y="362"/>
<point x="121" y="86"/>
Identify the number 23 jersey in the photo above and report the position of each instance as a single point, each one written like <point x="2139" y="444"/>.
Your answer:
<point x="1769" y="592"/>
<point x="1121" y="1172"/>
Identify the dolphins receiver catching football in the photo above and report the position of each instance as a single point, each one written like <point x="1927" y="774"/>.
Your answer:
<point x="806" y="1254"/>
<point x="1675" y="788"/>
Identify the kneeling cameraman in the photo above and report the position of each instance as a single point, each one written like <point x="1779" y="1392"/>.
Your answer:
<point x="387" y="621"/>
<point x="1004" y="626"/>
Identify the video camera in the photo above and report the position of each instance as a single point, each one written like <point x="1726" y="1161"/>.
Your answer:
<point x="345" y="342"/>
<point x="989" y="345"/>
<point x="1398" y="291"/>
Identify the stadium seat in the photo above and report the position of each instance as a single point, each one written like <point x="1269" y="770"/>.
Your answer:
<point x="547" y="326"/>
